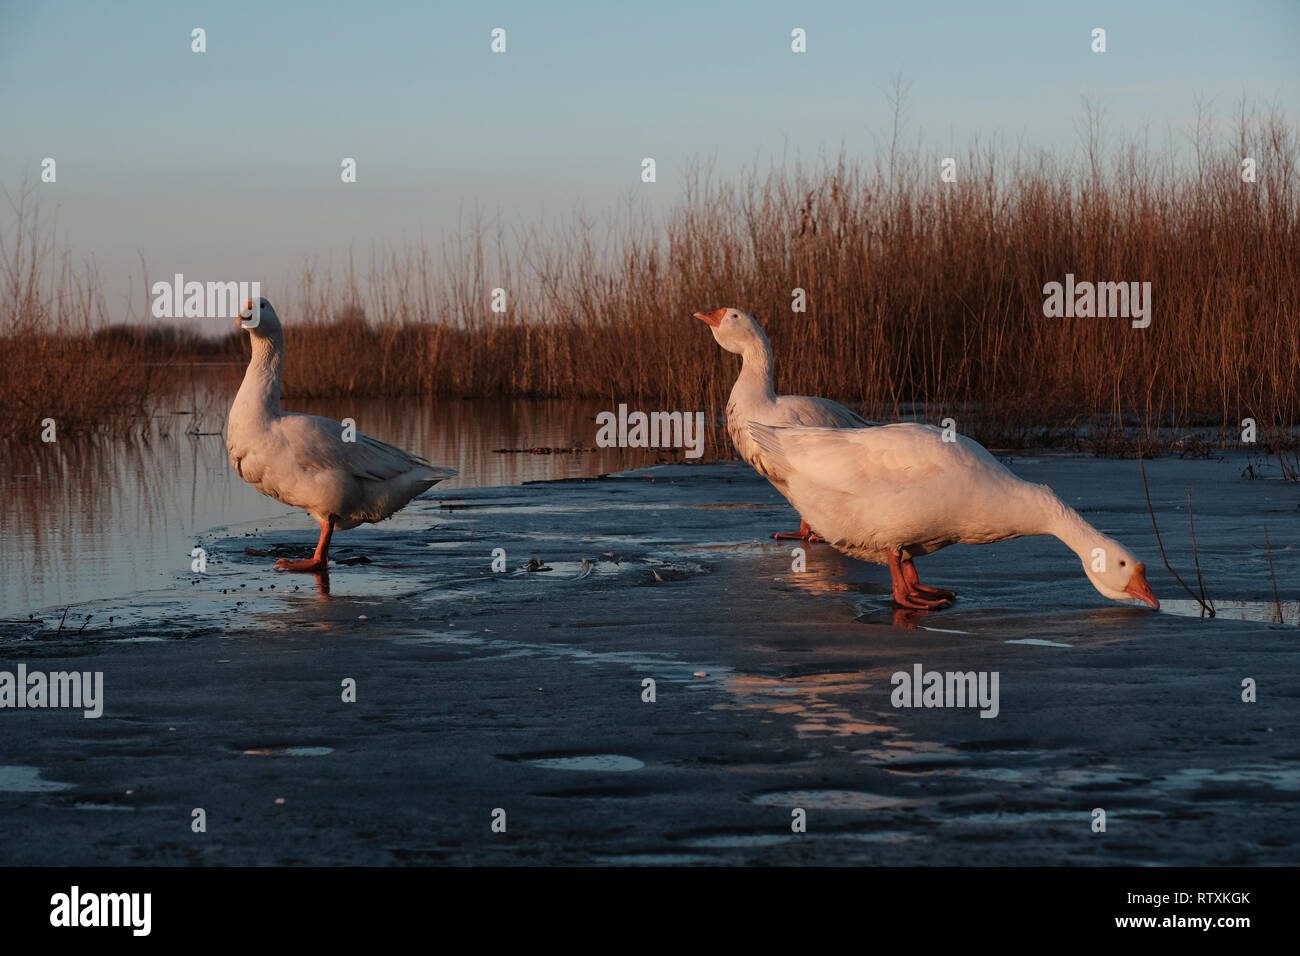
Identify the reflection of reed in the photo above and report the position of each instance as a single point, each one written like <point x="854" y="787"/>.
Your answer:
<point x="465" y="435"/>
<point x="98" y="516"/>
<point x="78" y="511"/>
<point x="1271" y="612"/>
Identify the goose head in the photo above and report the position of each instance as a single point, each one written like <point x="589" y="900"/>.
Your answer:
<point x="259" y="319"/>
<point x="1116" y="573"/>
<point x="734" y="330"/>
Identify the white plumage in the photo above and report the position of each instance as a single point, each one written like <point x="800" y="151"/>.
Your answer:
<point x="894" y="492"/>
<point x="304" y="461"/>
<point x="753" y="398"/>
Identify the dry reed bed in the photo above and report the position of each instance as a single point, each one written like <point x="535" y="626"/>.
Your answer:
<point x="919" y="293"/>
<point x="57" y="361"/>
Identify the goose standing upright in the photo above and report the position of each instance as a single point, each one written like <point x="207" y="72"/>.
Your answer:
<point x="754" y="398"/>
<point x="303" y="460"/>
<point x="893" y="493"/>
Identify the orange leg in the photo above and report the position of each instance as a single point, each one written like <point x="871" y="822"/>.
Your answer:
<point x="914" y="582"/>
<point x="319" y="562"/>
<point x="904" y="594"/>
<point x="805" y="533"/>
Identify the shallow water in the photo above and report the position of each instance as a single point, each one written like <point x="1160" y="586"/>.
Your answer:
<point x="290" y="752"/>
<point x="1275" y="612"/>
<point x="526" y="690"/>
<point x="88" y="520"/>
<point x="593" y="763"/>
<point x="21" y="779"/>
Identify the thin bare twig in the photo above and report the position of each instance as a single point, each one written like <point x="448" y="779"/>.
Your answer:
<point x="1268" y="547"/>
<point x="1289" y="473"/>
<point x="1206" y="600"/>
<point x="1163" y="556"/>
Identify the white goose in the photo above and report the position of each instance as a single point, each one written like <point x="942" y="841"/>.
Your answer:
<point x="754" y="399"/>
<point x="303" y="460"/>
<point x="891" y="493"/>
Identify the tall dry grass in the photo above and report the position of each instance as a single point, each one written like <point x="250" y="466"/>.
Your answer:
<point x="57" y="358"/>
<point x="920" y="293"/>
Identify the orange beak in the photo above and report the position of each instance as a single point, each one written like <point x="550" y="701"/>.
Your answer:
<point x="713" y="318"/>
<point x="241" y="318"/>
<point x="1138" y="587"/>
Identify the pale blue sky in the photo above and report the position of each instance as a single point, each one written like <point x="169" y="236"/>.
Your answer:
<point x="225" y="165"/>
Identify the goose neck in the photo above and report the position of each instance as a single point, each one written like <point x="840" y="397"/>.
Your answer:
<point x="261" y="386"/>
<point x="756" y="371"/>
<point x="1063" y="522"/>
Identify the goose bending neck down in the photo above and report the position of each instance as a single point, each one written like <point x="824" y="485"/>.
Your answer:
<point x="754" y="398"/>
<point x="306" y="461"/>
<point x="893" y="493"/>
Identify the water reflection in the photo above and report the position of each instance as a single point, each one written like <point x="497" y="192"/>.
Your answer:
<point x="90" y="519"/>
<point x="829" y="572"/>
<point x="1271" y="612"/>
<point x="823" y="704"/>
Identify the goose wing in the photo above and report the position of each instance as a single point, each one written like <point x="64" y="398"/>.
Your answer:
<point x="904" y="455"/>
<point x="317" y="444"/>
<point x="820" y="413"/>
